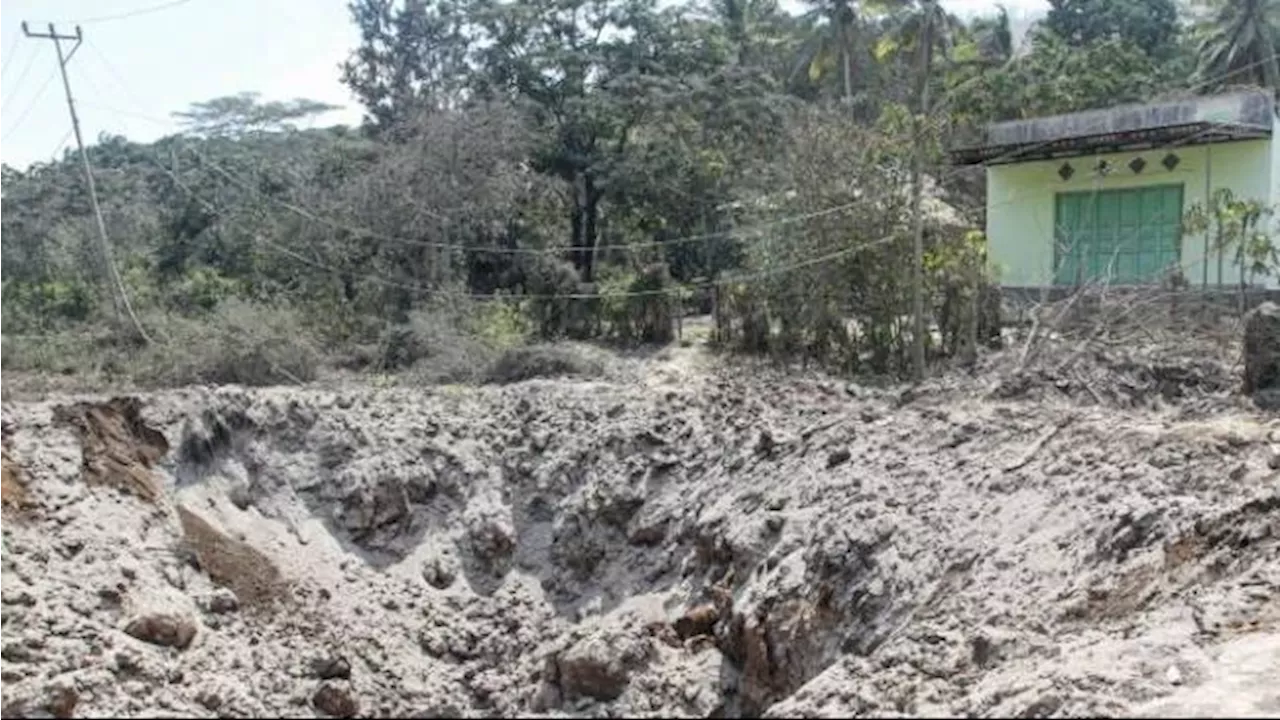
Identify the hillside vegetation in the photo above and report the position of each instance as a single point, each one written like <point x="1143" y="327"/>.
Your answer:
<point x="585" y="169"/>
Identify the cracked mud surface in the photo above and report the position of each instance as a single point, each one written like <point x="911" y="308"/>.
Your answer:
<point x="690" y="542"/>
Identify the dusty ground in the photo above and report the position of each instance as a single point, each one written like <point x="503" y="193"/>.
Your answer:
<point x="678" y="540"/>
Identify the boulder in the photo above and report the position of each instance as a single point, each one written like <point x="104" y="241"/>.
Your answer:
<point x="1262" y="355"/>
<point x="600" y="665"/>
<point x="166" y="629"/>
<point x="335" y="701"/>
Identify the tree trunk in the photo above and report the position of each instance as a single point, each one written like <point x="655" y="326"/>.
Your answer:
<point x="584" y="224"/>
<point x="846" y="61"/>
<point x="917" y="218"/>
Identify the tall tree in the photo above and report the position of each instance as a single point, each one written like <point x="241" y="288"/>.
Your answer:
<point x="234" y="115"/>
<point x="1239" y="45"/>
<point x="836" y="41"/>
<point x="927" y="31"/>
<point x="410" y="57"/>
<point x="1151" y="25"/>
<point x="993" y="37"/>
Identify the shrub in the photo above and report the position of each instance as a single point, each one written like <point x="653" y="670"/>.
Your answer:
<point x="238" y="343"/>
<point x="546" y="360"/>
<point x="451" y="344"/>
<point x="641" y="307"/>
<point x="63" y="353"/>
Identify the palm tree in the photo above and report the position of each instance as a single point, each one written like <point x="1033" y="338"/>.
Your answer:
<point x="743" y="21"/>
<point x="1239" y="45"/>
<point x="927" y="30"/>
<point x="834" y="41"/>
<point x="994" y="37"/>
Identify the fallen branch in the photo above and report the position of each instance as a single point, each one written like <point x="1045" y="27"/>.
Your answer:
<point x="1039" y="444"/>
<point x="824" y="425"/>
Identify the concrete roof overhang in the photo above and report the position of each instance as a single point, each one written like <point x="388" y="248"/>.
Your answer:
<point x="1238" y="115"/>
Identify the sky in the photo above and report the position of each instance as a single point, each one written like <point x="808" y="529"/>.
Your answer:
<point x="143" y="59"/>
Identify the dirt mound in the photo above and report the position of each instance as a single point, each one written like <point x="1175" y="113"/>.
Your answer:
<point x="742" y="544"/>
<point x="119" y="450"/>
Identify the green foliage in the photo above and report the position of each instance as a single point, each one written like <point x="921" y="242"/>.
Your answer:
<point x="1238" y="44"/>
<point x="237" y="343"/>
<point x="640" y="307"/>
<point x="33" y="306"/>
<point x="1237" y="226"/>
<point x="1055" y="76"/>
<point x="544" y="361"/>
<point x="1148" y="25"/>
<point x="237" y="114"/>
<point x="576" y="164"/>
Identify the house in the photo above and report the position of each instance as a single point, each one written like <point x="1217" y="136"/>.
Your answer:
<point x="1101" y="196"/>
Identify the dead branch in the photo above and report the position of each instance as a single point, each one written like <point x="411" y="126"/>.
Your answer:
<point x="1039" y="443"/>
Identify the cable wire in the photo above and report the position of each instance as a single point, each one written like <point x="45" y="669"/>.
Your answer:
<point x="9" y="56"/>
<point x="538" y="296"/>
<point x="31" y="106"/>
<point x="17" y="84"/>
<point x="125" y="15"/>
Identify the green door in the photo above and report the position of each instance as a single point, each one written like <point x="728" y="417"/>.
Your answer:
<point x="1124" y="237"/>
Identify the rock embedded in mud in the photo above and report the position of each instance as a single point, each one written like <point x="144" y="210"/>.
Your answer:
<point x="600" y="665"/>
<point x="333" y="667"/>
<point x="62" y="702"/>
<point x="438" y="573"/>
<point x="700" y="620"/>
<point x="838" y="456"/>
<point x="164" y="629"/>
<point x="223" y="602"/>
<point x="1262" y="355"/>
<point x="209" y="700"/>
<point x="335" y="701"/>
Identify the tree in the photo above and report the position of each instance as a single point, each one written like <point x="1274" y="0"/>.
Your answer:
<point x="1151" y="25"/>
<point x="993" y="37"/>
<point x="1239" y="46"/>
<point x="235" y="115"/>
<point x="409" y="58"/>
<point x="1054" y="77"/>
<point x="835" y="41"/>
<point x="743" y="22"/>
<point x="927" y="30"/>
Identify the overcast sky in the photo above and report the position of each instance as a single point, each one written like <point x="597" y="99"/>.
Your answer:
<point x="133" y="71"/>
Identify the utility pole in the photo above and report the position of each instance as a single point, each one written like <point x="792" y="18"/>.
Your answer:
<point x="119" y="297"/>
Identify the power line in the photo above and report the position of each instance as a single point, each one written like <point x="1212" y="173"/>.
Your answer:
<point x="674" y="242"/>
<point x="121" y="296"/>
<point x="544" y="296"/>
<point x="34" y="100"/>
<point x="535" y="251"/>
<point x="61" y="143"/>
<point x="17" y="84"/>
<point x="126" y="14"/>
<point x="9" y="56"/>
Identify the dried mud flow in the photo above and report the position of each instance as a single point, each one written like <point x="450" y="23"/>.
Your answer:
<point x="678" y="542"/>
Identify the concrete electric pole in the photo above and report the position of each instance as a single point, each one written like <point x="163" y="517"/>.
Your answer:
<point x="120" y="299"/>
